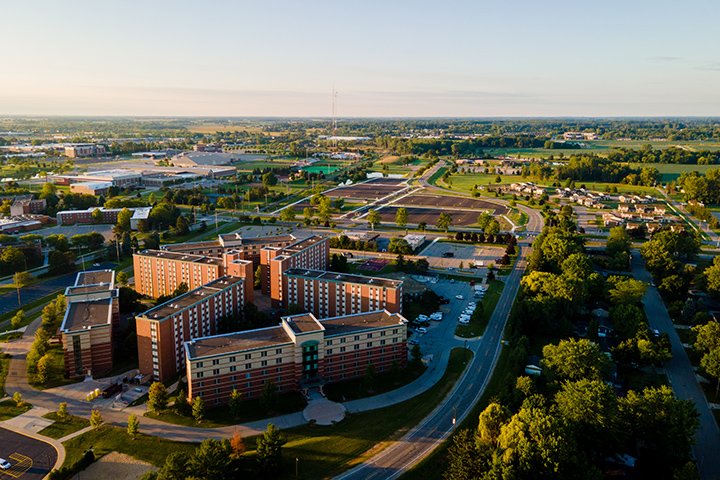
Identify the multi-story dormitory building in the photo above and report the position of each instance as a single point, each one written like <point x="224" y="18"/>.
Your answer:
<point x="160" y="272"/>
<point x="162" y="330"/>
<point x="250" y="246"/>
<point x="301" y="350"/>
<point x="310" y="253"/>
<point x="90" y="324"/>
<point x="329" y="294"/>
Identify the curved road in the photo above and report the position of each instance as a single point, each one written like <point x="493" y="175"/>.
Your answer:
<point x="440" y="423"/>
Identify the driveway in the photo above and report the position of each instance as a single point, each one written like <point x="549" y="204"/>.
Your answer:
<point x="682" y="378"/>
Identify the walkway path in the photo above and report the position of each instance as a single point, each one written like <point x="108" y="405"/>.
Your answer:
<point x="682" y="378"/>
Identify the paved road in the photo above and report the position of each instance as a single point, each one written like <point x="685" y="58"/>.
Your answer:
<point x="438" y="425"/>
<point x="9" y="301"/>
<point x="682" y="378"/>
<point x="31" y="458"/>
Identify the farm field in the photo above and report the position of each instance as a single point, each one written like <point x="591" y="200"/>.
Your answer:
<point x="450" y="202"/>
<point x="429" y="215"/>
<point x="670" y="171"/>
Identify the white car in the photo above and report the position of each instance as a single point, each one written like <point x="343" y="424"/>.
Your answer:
<point x="464" y="321"/>
<point x="422" y="318"/>
<point x="459" y="297"/>
<point x="422" y="330"/>
<point x="4" y="464"/>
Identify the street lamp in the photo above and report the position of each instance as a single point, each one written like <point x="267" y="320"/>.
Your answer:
<point x="297" y="461"/>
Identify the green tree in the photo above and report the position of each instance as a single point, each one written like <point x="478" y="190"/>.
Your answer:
<point x="492" y="228"/>
<point x="211" y="459"/>
<point x="123" y="219"/>
<point x="591" y="405"/>
<point x="62" y="412"/>
<point x="627" y="319"/>
<point x="21" y="280"/>
<point x="444" y="221"/>
<point x="157" y="397"/>
<point x="269" y="450"/>
<point x="198" y="409"/>
<point x="235" y="403"/>
<point x="96" y="216"/>
<point x="257" y="279"/>
<point x="122" y="278"/>
<point x="269" y="179"/>
<point x="133" y="425"/>
<point x="707" y="336"/>
<point x="96" y="419"/>
<point x="490" y="422"/>
<point x="373" y="218"/>
<point x="17" y="320"/>
<point x="401" y="217"/>
<point x="710" y="362"/>
<point x="626" y="290"/>
<point x="484" y="220"/>
<point x="17" y="398"/>
<point x="288" y="214"/>
<point x="576" y="359"/>
<point x="44" y="368"/>
<point x="712" y="277"/>
<point x="465" y="459"/>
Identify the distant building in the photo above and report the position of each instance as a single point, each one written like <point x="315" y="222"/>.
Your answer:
<point x="90" y="325"/>
<point x="192" y="159"/>
<point x="414" y="240"/>
<point x="27" y="205"/>
<point x="302" y="350"/>
<point x="91" y="188"/>
<point x="84" y="150"/>
<point x="109" y="216"/>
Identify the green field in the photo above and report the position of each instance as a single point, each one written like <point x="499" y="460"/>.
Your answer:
<point x="670" y="171"/>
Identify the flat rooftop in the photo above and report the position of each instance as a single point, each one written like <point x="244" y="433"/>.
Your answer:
<point x="303" y="323"/>
<point x="181" y="257"/>
<point x="84" y="315"/>
<point x="301" y="245"/>
<point x="237" y="342"/>
<point x="236" y="238"/>
<point x="181" y="302"/>
<point x="181" y="247"/>
<point x="343" y="277"/>
<point x="361" y="321"/>
<point x="94" y="277"/>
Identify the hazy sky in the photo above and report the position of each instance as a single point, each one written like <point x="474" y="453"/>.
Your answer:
<point x="385" y="58"/>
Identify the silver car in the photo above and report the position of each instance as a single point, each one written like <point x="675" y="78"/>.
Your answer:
<point x="4" y="464"/>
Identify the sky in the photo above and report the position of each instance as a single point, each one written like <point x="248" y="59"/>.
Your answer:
<point x="383" y="58"/>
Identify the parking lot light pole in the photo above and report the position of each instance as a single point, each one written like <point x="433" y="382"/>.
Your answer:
<point x="297" y="461"/>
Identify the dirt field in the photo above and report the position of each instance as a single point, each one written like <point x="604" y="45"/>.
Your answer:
<point x="117" y="466"/>
<point x="451" y="202"/>
<point x="366" y="191"/>
<point x="429" y="215"/>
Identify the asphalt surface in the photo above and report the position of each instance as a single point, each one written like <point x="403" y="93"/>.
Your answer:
<point x="30" y="458"/>
<point x="682" y="378"/>
<point x="9" y="300"/>
<point x="436" y="427"/>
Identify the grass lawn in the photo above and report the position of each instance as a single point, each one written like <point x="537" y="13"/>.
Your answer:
<point x="326" y="451"/>
<point x="252" y="410"/>
<point x="671" y="171"/>
<point x="4" y="366"/>
<point x="363" y="387"/>
<point x="60" y="429"/>
<point x="9" y="410"/>
<point x="56" y="377"/>
<point x="476" y="327"/>
<point x="106" y="439"/>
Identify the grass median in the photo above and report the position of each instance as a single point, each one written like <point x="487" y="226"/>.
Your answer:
<point x="326" y="451"/>
<point x="479" y="320"/>
<point x="62" y="428"/>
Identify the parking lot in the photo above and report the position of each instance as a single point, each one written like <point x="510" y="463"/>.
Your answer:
<point x="450" y="202"/>
<point x="462" y="253"/>
<point x="29" y="458"/>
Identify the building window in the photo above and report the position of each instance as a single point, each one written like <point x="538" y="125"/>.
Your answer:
<point x="342" y="340"/>
<point x="357" y="337"/>
<point x="247" y="375"/>
<point x="369" y="344"/>
<point x="248" y="356"/>
<point x="329" y="342"/>
<point x="248" y="366"/>
<point x="357" y="347"/>
<point x="200" y="374"/>
<point x="216" y="371"/>
<point x="329" y="351"/>
<point x="198" y="365"/>
<point x="278" y="351"/>
<point x="263" y="354"/>
<point x="369" y="335"/>
<point x="216" y="362"/>
<point x="342" y="349"/>
<point x="263" y="363"/>
<point x="233" y="368"/>
<point x="278" y="360"/>
<point x="232" y="359"/>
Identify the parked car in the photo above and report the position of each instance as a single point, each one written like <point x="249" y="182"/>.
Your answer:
<point x="422" y="330"/>
<point x="459" y="297"/>
<point x="4" y="464"/>
<point x="413" y="341"/>
<point x="448" y="254"/>
<point x="464" y="321"/>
